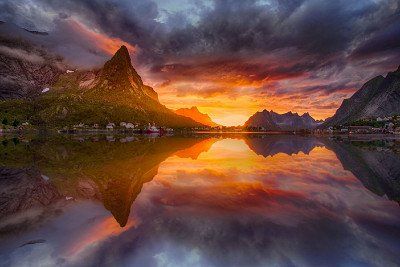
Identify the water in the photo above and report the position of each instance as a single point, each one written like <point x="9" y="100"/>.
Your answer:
<point x="208" y="200"/>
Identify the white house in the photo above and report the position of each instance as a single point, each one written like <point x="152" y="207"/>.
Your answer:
<point x="129" y="126"/>
<point x="110" y="126"/>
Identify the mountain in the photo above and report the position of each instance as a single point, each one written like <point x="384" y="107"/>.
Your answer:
<point x="26" y="68"/>
<point x="289" y="121"/>
<point x="46" y="171"/>
<point x="196" y="115"/>
<point x="114" y="93"/>
<point x="271" y="145"/>
<point x="379" y="97"/>
<point x="376" y="166"/>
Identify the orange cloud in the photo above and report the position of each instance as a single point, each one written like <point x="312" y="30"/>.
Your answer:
<point x="101" y="41"/>
<point x="98" y="233"/>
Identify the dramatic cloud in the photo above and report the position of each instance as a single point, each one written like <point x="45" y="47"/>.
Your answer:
<point x="217" y="48"/>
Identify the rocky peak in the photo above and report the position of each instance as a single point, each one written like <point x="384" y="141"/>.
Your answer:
<point x="196" y="115"/>
<point x="307" y="116"/>
<point x="288" y="121"/>
<point x="119" y="70"/>
<point x="379" y="97"/>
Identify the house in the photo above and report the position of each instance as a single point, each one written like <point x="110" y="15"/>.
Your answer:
<point x="329" y="130"/>
<point x="110" y="126"/>
<point x="388" y="118"/>
<point x="379" y="119"/>
<point x="360" y="129"/>
<point x="110" y="138"/>
<point x="122" y="124"/>
<point x="129" y="126"/>
<point x="389" y="126"/>
<point x="80" y="125"/>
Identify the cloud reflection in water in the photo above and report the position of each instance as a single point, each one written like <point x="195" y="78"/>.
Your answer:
<point x="283" y="201"/>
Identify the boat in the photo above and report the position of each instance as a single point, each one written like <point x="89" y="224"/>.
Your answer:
<point x="152" y="129"/>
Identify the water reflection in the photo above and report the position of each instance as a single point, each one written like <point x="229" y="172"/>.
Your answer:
<point x="199" y="201"/>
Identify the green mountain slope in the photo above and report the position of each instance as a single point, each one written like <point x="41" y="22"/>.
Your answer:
<point x="115" y="93"/>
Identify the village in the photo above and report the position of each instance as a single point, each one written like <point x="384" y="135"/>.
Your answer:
<point x="131" y="127"/>
<point x="385" y="125"/>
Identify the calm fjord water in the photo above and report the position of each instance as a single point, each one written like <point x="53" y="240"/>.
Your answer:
<point x="199" y="201"/>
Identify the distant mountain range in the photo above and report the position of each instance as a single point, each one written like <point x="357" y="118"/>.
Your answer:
<point x="196" y="115"/>
<point x="39" y="89"/>
<point x="379" y="97"/>
<point x="272" y="121"/>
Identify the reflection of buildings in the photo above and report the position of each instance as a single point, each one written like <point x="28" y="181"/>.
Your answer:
<point x="270" y="145"/>
<point x="113" y="173"/>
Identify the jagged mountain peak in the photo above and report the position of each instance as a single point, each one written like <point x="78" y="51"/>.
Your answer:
<point x="119" y="70"/>
<point x="288" y="121"/>
<point x="378" y="97"/>
<point x="196" y="115"/>
<point x="122" y="55"/>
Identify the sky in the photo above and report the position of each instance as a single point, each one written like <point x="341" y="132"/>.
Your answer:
<point x="229" y="58"/>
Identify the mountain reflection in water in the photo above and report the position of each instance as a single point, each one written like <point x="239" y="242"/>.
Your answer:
<point x="251" y="200"/>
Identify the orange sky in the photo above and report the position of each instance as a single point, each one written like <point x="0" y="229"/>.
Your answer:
<point x="231" y="58"/>
<point x="230" y="91"/>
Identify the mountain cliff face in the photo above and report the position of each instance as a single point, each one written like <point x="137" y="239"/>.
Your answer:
<point x="379" y="97"/>
<point x="25" y="68"/>
<point x="196" y="115"/>
<point x="272" y="121"/>
<point x="119" y="82"/>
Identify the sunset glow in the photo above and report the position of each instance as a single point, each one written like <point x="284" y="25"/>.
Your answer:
<point x="204" y="133"/>
<point x="302" y="56"/>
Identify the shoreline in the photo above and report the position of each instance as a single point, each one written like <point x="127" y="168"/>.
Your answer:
<point x="350" y="137"/>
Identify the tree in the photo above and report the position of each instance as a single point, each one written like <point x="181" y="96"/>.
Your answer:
<point x="15" y="123"/>
<point x="4" y="121"/>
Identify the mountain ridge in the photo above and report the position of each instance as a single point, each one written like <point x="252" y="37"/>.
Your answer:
<point x="288" y="121"/>
<point x="196" y="115"/>
<point x="114" y="93"/>
<point x="378" y="97"/>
